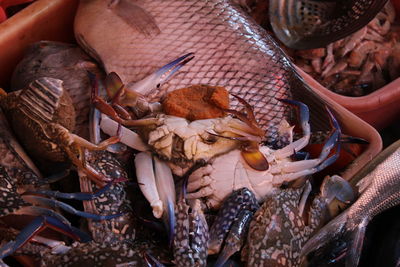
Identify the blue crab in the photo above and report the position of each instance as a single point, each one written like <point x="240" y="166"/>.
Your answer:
<point x="21" y="194"/>
<point x="139" y="253"/>
<point x="281" y="226"/>
<point x="42" y="116"/>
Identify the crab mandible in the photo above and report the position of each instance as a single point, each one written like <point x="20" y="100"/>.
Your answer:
<point x="229" y="172"/>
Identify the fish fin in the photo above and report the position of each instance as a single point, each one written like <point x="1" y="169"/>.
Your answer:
<point x="357" y="242"/>
<point x="135" y="16"/>
<point x="334" y="228"/>
<point x="337" y="187"/>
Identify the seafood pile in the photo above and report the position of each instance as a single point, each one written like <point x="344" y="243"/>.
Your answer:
<point x="360" y="63"/>
<point x="161" y="182"/>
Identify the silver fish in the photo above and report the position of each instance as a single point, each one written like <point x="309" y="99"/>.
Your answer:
<point x="380" y="190"/>
<point x="134" y="38"/>
<point x="306" y="24"/>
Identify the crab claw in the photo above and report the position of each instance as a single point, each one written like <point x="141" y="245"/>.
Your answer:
<point x="236" y="237"/>
<point x="38" y="225"/>
<point x="156" y="79"/>
<point x="190" y="245"/>
<point x="240" y="200"/>
<point x="157" y="185"/>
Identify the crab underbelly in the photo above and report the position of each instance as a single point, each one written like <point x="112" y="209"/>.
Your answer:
<point x="228" y="173"/>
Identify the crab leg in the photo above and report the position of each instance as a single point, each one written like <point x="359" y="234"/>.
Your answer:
<point x="236" y="237"/>
<point x="242" y="199"/>
<point x="190" y="243"/>
<point x="58" y="204"/>
<point x="151" y="261"/>
<point x="307" y="167"/>
<point x="38" y="225"/>
<point x="94" y="122"/>
<point x="80" y="162"/>
<point x="56" y="246"/>
<point x="78" y="196"/>
<point x="128" y="137"/>
<point x="147" y="182"/>
<point x="166" y="189"/>
<point x="297" y="145"/>
<point x="157" y="184"/>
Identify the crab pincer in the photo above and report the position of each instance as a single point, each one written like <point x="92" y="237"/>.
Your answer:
<point x="30" y="203"/>
<point x="282" y="225"/>
<point x="191" y="238"/>
<point x="231" y="223"/>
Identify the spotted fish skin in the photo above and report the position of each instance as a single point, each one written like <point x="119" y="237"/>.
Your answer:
<point x="278" y="231"/>
<point x="191" y="234"/>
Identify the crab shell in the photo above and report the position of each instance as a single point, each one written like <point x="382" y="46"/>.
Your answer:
<point x="33" y="109"/>
<point x="278" y="230"/>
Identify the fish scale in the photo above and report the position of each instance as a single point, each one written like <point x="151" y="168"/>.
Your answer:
<point x="230" y="50"/>
<point x="379" y="187"/>
<point x="383" y="192"/>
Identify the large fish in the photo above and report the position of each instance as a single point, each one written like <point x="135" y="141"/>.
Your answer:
<point x="134" y="38"/>
<point x="380" y="190"/>
<point x="306" y="24"/>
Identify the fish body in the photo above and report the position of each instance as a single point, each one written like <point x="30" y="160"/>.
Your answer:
<point x="66" y="62"/>
<point x="306" y="24"/>
<point x="380" y="190"/>
<point x="230" y="49"/>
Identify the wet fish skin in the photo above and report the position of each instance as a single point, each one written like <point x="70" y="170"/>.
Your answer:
<point x="380" y="190"/>
<point x="63" y="61"/>
<point x="307" y="24"/>
<point x="230" y="49"/>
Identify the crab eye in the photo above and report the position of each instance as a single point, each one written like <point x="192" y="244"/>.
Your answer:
<point x="209" y="138"/>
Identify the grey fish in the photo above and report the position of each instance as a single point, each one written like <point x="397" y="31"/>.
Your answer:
<point x="63" y="61"/>
<point x="306" y="24"/>
<point x="135" y="38"/>
<point x="380" y="190"/>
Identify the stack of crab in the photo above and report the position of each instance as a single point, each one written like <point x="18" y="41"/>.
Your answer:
<point x="191" y="141"/>
<point x="205" y="171"/>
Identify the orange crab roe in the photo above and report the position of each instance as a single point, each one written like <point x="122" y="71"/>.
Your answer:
<point x="197" y="102"/>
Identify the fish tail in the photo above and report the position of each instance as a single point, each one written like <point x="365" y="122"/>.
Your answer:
<point x="356" y="244"/>
<point x="344" y="229"/>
